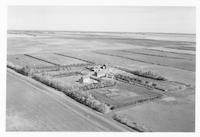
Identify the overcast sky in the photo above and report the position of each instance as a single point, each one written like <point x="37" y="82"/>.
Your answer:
<point x="86" y="18"/>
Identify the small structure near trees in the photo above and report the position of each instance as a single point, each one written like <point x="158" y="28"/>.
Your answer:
<point x="87" y="80"/>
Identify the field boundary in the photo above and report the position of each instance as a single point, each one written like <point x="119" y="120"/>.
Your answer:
<point x="162" y="50"/>
<point x="41" y="59"/>
<point x="74" y="58"/>
<point x="148" y="54"/>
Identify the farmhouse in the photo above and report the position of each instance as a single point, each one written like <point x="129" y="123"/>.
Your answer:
<point x="100" y="71"/>
<point x="99" y="74"/>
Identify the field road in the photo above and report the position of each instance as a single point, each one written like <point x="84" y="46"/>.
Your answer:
<point x="33" y="107"/>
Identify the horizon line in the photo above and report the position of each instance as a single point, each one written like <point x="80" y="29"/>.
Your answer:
<point x="99" y="31"/>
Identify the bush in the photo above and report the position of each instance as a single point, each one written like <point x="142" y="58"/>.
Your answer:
<point x="148" y="74"/>
<point x="25" y="70"/>
<point x="14" y="66"/>
<point x="132" y="81"/>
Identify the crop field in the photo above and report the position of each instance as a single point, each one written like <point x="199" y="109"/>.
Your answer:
<point x="183" y="48"/>
<point x="25" y="60"/>
<point x="175" y="63"/>
<point x="151" y="52"/>
<point x="56" y="59"/>
<point x="171" y="117"/>
<point x="183" y="76"/>
<point x="95" y="71"/>
<point x="100" y="58"/>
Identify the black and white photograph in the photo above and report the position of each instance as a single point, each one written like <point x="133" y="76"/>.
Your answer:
<point x="100" y="68"/>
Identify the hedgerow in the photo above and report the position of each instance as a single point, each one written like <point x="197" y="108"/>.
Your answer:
<point x="124" y="120"/>
<point x="148" y="74"/>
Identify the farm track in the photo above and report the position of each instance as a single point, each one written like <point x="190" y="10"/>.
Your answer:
<point x="154" y="55"/>
<point x="108" y="54"/>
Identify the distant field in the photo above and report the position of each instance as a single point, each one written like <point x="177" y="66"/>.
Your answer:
<point x="100" y="58"/>
<point x="173" y="74"/>
<point x="158" y="53"/>
<point x="39" y="41"/>
<point x="57" y="59"/>
<point x="176" y="63"/>
<point x="25" y="60"/>
<point x="183" y="48"/>
<point x="85" y="34"/>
